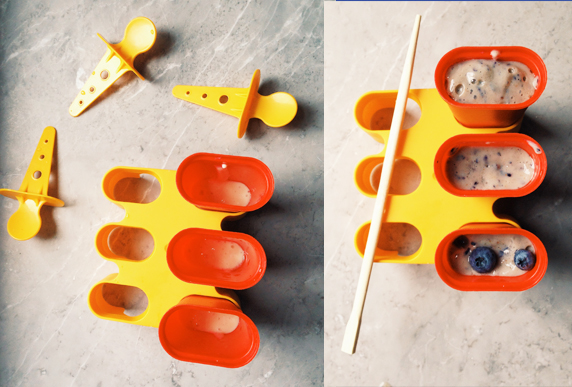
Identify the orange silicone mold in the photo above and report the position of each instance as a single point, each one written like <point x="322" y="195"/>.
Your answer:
<point x="489" y="115"/>
<point x="487" y="282"/>
<point x="186" y="333"/>
<point x="194" y="256"/>
<point x="500" y="140"/>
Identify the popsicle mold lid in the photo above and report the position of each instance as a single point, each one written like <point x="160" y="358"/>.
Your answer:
<point x="488" y="282"/>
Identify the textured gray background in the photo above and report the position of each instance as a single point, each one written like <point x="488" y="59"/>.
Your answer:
<point x="416" y="330"/>
<point x="48" y="336"/>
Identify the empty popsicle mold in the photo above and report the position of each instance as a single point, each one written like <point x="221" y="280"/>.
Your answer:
<point x="225" y="183"/>
<point x="219" y="258"/>
<point x="172" y="251"/>
<point x="33" y="193"/>
<point x="209" y="331"/>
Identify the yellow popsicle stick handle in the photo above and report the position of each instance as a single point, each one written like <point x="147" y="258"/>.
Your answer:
<point x="109" y="70"/>
<point x="37" y="176"/>
<point x="226" y="100"/>
<point x="33" y="194"/>
<point x="140" y="35"/>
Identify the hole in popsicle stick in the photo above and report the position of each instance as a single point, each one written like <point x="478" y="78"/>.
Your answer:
<point x="381" y="120"/>
<point x="188" y="92"/>
<point x="401" y="237"/>
<point x="42" y="157"/>
<point x="132" y="243"/>
<point x="223" y="99"/>
<point x="37" y="174"/>
<point x="405" y="178"/>
<point x="204" y="96"/>
<point x="143" y="189"/>
<point x="104" y="74"/>
<point x="131" y="298"/>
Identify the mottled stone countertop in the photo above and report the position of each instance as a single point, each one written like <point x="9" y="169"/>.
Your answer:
<point x="48" y="336"/>
<point x="416" y="330"/>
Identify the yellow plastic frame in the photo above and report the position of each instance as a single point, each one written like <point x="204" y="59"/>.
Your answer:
<point x="431" y="209"/>
<point x="163" y="219"/>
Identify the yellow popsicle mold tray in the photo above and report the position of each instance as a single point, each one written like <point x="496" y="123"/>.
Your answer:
<point x="274" y="110"/>
<point x="432" y="210"/>
<point x="33" y="193"/>
<point x="163" y="218"/>
<point x="140" y="35"/>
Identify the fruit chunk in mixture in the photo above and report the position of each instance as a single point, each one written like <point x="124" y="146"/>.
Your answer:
<point x="489" y="168"/>
<point x="482" y="247"/>
<point x="489" y="81"/>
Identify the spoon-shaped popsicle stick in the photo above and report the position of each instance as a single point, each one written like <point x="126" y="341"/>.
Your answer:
<point x="352" y="329"/>
<point x="33" y="193"/>
<point x="140" y="35"/>
<point x="274" y="110"/>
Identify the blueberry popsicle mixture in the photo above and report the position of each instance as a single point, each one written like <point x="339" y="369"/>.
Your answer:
<point x="489" y="81"/>
<point x="503" y="246"/>
<point x="489" y="168"/>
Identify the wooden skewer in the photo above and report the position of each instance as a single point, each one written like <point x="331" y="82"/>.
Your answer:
<point x="352" y="329"/>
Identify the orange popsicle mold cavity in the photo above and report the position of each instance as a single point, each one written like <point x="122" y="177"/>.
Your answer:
<point x="490" y="115"/>
<point x="200" y="330"/>
<point x="517" y="140"/>
<point x="485" y="282"/>
<point x="197" y="255"/>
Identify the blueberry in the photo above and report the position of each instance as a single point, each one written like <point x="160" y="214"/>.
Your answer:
<point x="461" y="241"/>
<point x="524" y="259"/>
<point x="483" y="259"/>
